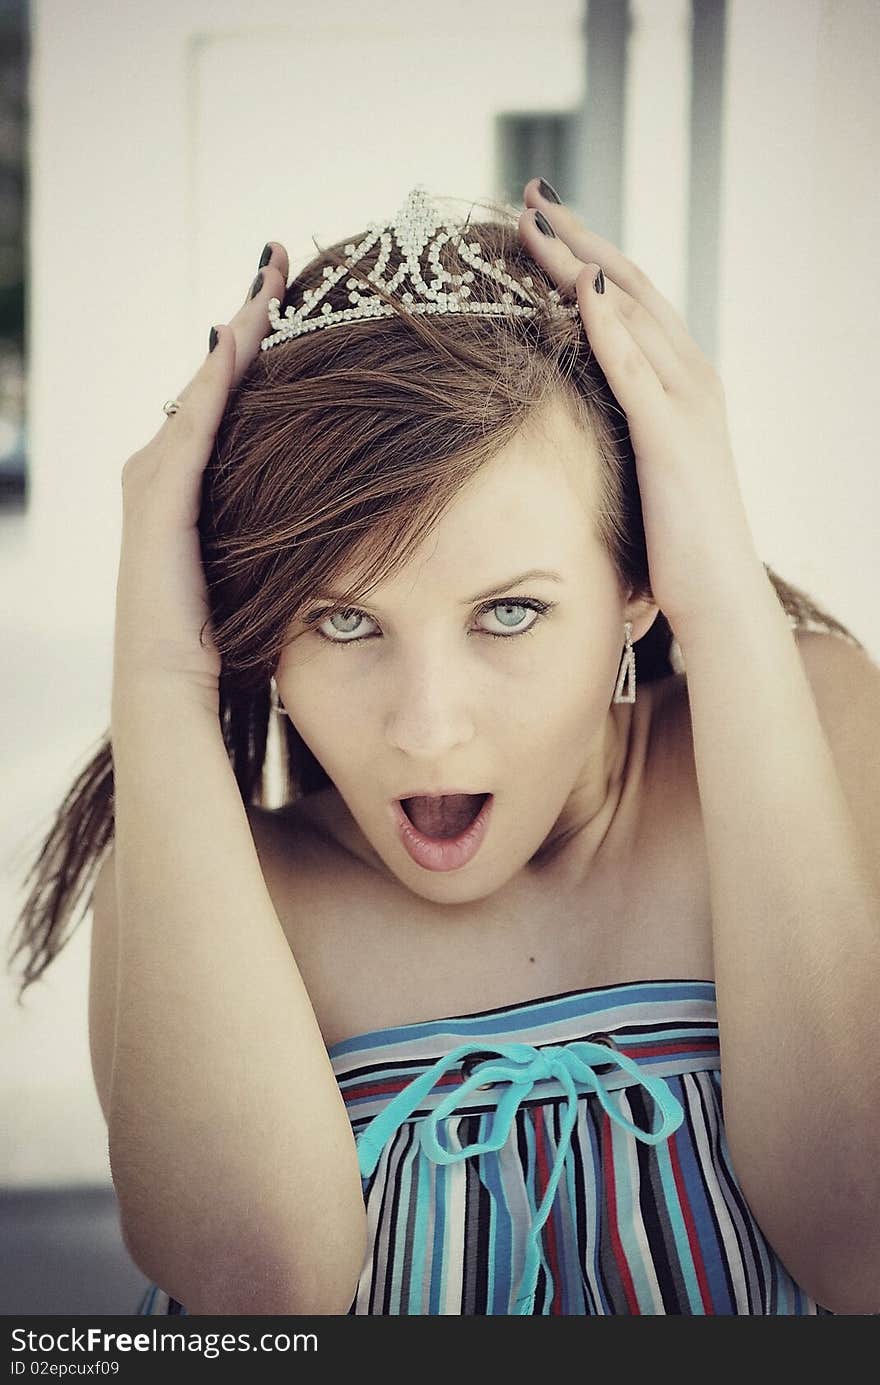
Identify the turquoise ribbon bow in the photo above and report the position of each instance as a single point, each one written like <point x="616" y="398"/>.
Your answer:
<point x="524" y="1065"/>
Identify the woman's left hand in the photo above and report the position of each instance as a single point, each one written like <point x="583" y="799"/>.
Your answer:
<point x="700" y="547"/>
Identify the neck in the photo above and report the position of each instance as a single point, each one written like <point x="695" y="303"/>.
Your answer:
<point x="583" y="825"/>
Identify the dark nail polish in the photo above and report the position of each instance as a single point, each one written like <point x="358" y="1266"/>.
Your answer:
<point x="213" y="339"/>
<point x="549" y="192"/>
<point x="544" y="225"/>
<point x="257" y="285"/>
<point x="266" y="255"/>
<point x="599" y="281"/>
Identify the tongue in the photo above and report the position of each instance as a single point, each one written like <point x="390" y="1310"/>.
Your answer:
<point x="444" y="817"/>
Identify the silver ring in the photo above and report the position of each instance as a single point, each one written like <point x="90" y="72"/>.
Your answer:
<point x="171" y="406"/>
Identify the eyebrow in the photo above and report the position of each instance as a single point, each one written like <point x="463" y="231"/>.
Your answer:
<point x="533" y="574"/>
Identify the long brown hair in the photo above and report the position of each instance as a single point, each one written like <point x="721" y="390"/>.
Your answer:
<point x="340" y="450"/>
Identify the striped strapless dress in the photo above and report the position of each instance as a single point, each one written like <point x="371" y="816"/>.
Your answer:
<point x="563" y="1155"/>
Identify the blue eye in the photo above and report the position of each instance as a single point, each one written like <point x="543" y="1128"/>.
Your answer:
<point x="350" y="613"/>
<point x="524" y="605"/>
<point x="346" y="615"/>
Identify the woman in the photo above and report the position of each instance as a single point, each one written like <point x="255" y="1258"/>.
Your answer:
<point x="443" y="1034"/>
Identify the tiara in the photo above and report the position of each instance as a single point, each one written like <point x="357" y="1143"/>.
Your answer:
<point x="418" y="225"/>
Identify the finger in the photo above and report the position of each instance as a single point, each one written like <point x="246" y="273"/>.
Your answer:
<point x="555" y="256"/>
<point x="587" y="245"/>
<point x="274" y="254"/>
<point x="203" y="399"/>
<point x="672" y="372"/>
<point x="627" y="367"/>
<point x="251" y="323"/>
<point x="278" y="258"/>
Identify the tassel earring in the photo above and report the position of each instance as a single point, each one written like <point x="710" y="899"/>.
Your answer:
<point x="627" y="667"/>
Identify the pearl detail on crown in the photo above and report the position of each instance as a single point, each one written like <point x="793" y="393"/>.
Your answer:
<point x="418" y="225"/>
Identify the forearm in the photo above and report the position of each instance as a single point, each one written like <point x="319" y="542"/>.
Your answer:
<point x="796" y="939"/>
<point x="228" y="1132"/>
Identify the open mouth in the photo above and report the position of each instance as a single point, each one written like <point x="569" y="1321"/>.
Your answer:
<point x="446" y="816"/>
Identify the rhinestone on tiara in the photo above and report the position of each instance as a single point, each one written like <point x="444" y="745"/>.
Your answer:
<point x="417" y="226"/>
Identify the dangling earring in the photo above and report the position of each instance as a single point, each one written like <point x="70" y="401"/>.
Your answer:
<point x="276" y="706"/>
<point x="627" y="666"/>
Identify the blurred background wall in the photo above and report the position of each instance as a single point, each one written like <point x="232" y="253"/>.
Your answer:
<point x="728" y="148"/>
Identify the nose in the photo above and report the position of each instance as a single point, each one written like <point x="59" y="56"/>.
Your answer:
<point x="429" y="712"/>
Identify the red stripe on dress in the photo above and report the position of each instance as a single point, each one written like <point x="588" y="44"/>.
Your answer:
<point x="613" y="1231"/>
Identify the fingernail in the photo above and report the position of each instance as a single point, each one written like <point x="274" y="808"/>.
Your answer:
<point x="599" y="281"/>
<point x="257" y="285"/>
<point x="213" y="339"/>
<point x="545" y="189"/>
<point x="544" y="225"/>
<point x="266" y="255"/>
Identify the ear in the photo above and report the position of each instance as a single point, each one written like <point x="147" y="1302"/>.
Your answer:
<point x="642" y="612"/>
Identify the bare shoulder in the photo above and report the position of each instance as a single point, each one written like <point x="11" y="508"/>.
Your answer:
<point x="318" y="886"/>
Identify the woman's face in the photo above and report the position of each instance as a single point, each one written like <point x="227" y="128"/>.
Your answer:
<point x="460" y="673"/>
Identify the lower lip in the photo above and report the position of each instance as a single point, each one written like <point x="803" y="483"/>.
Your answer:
<point x="452" y="852"/>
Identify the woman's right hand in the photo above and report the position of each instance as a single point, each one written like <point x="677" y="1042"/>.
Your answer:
<point x="161" y="592"/>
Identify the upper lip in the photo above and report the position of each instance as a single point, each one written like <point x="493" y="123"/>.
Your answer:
<point x="437" y="793"/>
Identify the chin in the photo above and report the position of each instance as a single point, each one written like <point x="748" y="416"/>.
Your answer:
<point x="450" y="888"/>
